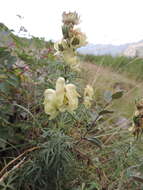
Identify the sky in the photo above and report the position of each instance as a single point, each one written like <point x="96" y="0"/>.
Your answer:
<point x="103" y="21"/>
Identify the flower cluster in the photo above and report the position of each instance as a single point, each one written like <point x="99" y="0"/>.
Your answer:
<point x="70" y="18"/>
<point x="88" y="96"/>
<point x="72" y="39"/>
<point x="63" y="98"/>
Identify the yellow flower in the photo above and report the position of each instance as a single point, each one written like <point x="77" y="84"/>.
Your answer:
<point x="72" y="97"/>
<point x="89" y="91"/>
<point x="136" y="113"/>
<point x="78" y="38"/>
<point x="61" y="45"/>
<point x="50" y="105"/>
<point x="58" y="46"/>
<point x="131" y="128"/>
<point x="88" y="96"/>
<point x="60" y="90"/>
<point x="71" y="60"/>
<point x="64" y="98"/>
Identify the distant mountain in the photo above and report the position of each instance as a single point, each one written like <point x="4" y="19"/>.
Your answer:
<point x="101" y="49"/>
<point x="106" y="49"/>
<point x="134" y="50"/>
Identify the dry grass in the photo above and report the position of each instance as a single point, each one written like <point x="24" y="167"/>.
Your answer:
<point x="110" y="164"/>
<point x="104" y="79"/>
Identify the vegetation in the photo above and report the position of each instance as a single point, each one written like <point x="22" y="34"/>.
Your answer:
<point x="131" y="67"/>
<point x="61" y="126"/>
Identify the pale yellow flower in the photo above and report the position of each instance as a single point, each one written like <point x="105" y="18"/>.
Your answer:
<point x="58" y="46"/>
<point x="50" y="105"/>
<point x="78" y="39"/>
<point x="72" y="97"/>
<point x="64" y="98"/>
<point x="88" y="96"/>
<point x="71" y="60"/>
<point x="60" y="93"/>
<point x="82" y="39"/>
<point x="131" y="128"/>
<point x="136" y="113"/>
<point x="89" y="91"/>
<point x="64" y="44"/>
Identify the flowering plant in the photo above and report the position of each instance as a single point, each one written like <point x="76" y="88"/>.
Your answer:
<point x="63" y="98"/>
<point x="73" y="38"/>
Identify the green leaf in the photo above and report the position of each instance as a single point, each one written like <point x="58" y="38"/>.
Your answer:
<point x="2" y="143"/>
<point x="83" y="186"/>
<point x="108" y="96"/>
<point x="6" y="60"/>
<point x="136" y="120"/>
<point x="95" y="141"/>
<point x="13" y="80"/>
<point x="94" y="185"/>
<point x="117" y="95"/>
<point x="5" y="134"/>
<point x="65" y="31"/>
<point x="4" y="88"/>
<point x="103" y="112"/>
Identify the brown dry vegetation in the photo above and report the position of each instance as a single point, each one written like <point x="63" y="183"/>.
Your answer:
<point x="104" y="78"/>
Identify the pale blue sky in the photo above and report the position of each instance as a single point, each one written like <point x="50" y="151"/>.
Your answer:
<point x="103" y="21"/>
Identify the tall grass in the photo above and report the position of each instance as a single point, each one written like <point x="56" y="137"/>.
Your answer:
<point x="133" y="67"/>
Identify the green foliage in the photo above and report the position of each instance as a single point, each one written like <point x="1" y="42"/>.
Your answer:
<point x="27" y="69"/>
<point x="21" y="64"/>
<point x="10" y="85"/>
<point x="117" y="95"/>
<point x="48" y="168"/>
<point x="133" y="67"/>
<point x="83" y="150"/>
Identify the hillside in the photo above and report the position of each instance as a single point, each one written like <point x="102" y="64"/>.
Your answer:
<point x="134" y="50"/>
<point x="101" y="49"/>
<point x="105" y="78"/>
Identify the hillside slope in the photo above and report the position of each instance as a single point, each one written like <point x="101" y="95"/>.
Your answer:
<point x="107" y="79"/>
